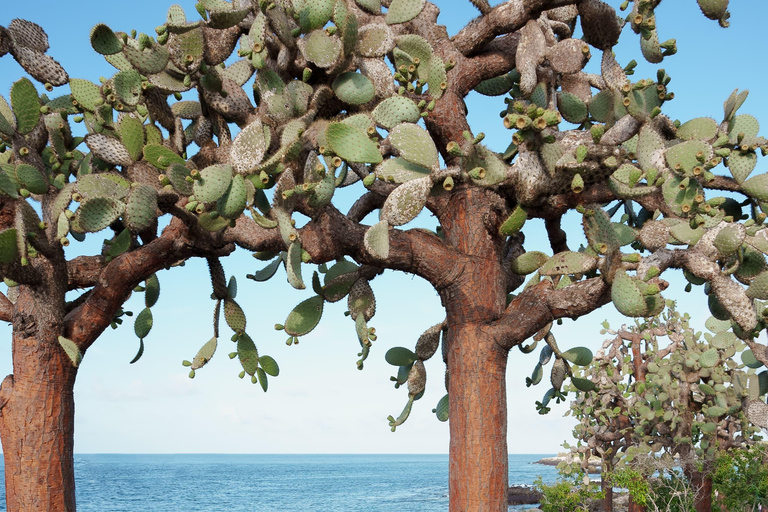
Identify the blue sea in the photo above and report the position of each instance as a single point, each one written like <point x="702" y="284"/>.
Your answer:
<point x="273" y="483"/>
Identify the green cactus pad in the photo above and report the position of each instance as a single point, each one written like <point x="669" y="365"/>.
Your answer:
<point x="401" y="11"/>
<point x="585" y="385"/>
<point x="72" y="351"/>
<point x="749" y="359"/>
<point x="351" y="144"/>
<point x="267" y="272"/>
<point x="438" y="78"/>
<point x="232" y="204"/>
<point x="204" y="354"/>
<point x="186" y="50"/>
<point x="8" y="247"/>
<point x="153" y="135"/>
<point x="627" y="297"/>
<point x="414" y="144"/>
<point x="234" y="315"/>
<point x="600" y="232"/>
<point x="681" y="200"/>
<point x="161" y="156"/>
<point x="87" y="94"/>
<point x="213" y="183"/>
<point x="104" y="40"/>
<point x="713" y="9"/>
<point x="375" y="40"/>
<point x="148" y="62"/>
<point x="723" y="340"/>
<point x="568" y="262"/>
<point x="98" y="213"/>
<point x="406" y="201"/>
<point x="26" y="105"/>
<point x="601" y="106"/>
<point x="371" y="6"/>
<point x="741" y="164"/>
<point x="141" y="208"/>
<point x="683" y="157"/>
<point x="701" y="128"/>
<point x="151" y="290"/>
<point x="128" y="86"/>
<point x="757" y="187"/>
<point x="247" y="354"/>
<point x="758" y="288"/>
<point x="31" y="179"/>
<point x="442" y="409"/>
<point x="131" y="133"/>
<point x="177" y="174"/>
<point x="572" y="108"/>
<point x="399" y="170"/>
<point x="187" y="109"/>
<point x="9" y="183"/>
<point x="225" y="19"/>
<point x="293" y="266"/>
<point x="353" y="88"/>
<point x="729" y="239"/>
<point x="514" y="223"/>
<point x="529" y="262"/>
<point x="717" y="326"/>
<point x="580" y="356"/>
<point x="213" y="222"/>
<point x="376" y="240"/>
<point x="495" y="168"/>
<point x="314" y="15"/>
<point x="304" y="317"/>
<point x="239" y="72"/>
<point x="269" y="366"/>
<point x="709" y="358"/>
<point x="143" y="323"/>
<point x="321" y="49"/>
<point x="499" y="85"/>
<point x="400" y="356"/>
<point x="108" y="149"/>
<point x="743" y="124"/>
<point x="649" y="141"/>
<point x="395" y="110"/>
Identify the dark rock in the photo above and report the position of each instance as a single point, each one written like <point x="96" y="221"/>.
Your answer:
<point x="522" y="495"/>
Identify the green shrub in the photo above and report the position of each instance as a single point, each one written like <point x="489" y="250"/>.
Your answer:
<point x="741" y="479"/>
<point x="568" y="495"/>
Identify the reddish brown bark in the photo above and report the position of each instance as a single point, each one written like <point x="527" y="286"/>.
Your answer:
<point x="701" y="482"/>
<point x="38" y="408"/>
<point x="606" y="486"/>
<point x="633" y="506"/>
<point x="478" y="471"/>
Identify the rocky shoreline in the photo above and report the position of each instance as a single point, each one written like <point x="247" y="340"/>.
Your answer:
<point x="595" y="464"/>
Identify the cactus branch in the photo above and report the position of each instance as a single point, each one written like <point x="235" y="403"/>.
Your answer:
<point x="543" y="304"/>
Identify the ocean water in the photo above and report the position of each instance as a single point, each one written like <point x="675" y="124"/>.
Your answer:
<point x="273" y="483"/>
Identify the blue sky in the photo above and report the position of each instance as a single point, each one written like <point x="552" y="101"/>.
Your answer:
<point x="321" y="403"/>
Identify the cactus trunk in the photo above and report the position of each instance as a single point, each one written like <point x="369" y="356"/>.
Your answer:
<point x="701" y="482"/>
<point x="37" y="411"/>
<point x="478" y="471"/>
<point x="37" y="428"/>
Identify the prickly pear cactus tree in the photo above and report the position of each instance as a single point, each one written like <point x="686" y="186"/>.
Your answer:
<point x="663" y="390"/>
<point x="177" y="156"/>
